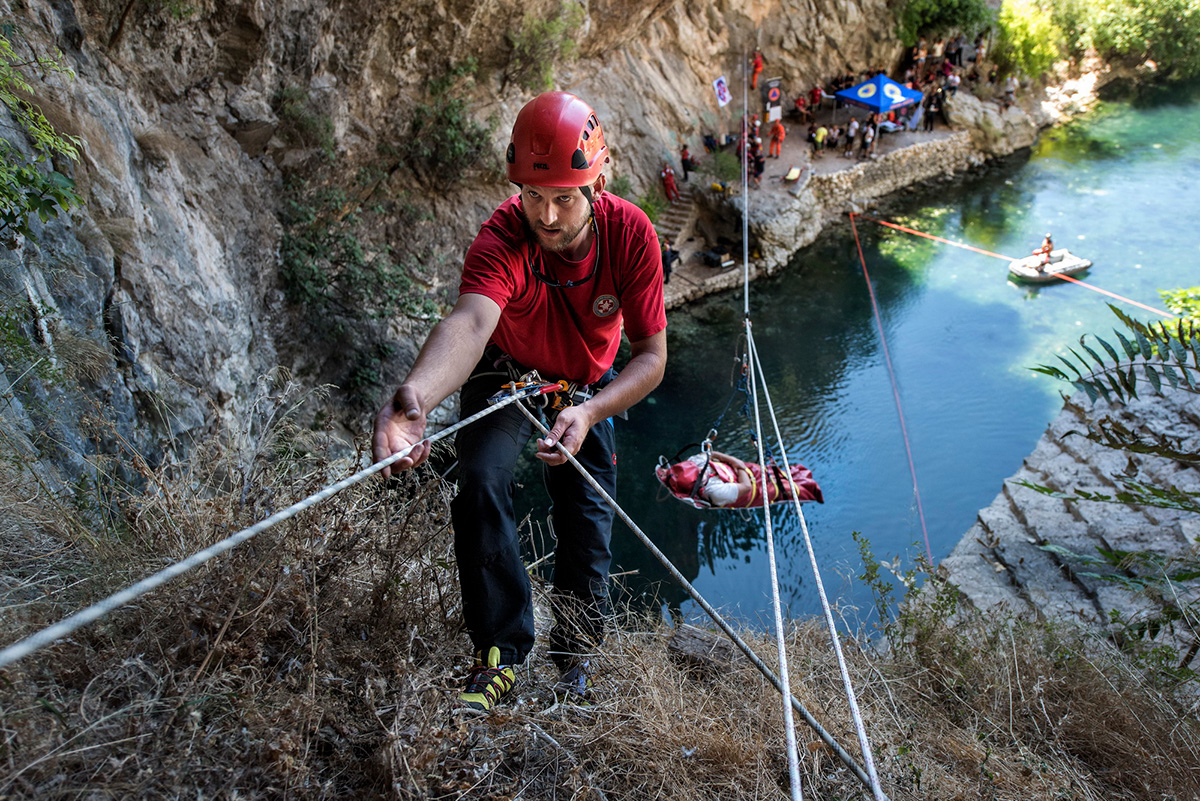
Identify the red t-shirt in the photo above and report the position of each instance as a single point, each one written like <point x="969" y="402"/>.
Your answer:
<point x="569" y="333"/>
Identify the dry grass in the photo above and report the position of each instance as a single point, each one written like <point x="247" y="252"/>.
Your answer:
<point x="321" y="660"/>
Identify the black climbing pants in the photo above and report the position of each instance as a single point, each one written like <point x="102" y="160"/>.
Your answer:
<point x="497" y="599"/>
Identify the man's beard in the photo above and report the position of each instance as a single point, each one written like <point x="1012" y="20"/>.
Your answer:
<point x="561" y="242"/>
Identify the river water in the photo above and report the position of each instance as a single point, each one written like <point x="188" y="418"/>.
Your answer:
<point x="1117" y="187"/>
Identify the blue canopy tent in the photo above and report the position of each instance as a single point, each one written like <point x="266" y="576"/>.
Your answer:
<point x="880" y="93"/>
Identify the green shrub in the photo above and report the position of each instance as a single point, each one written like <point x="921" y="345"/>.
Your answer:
<point x="1165" y="31"/>
<point x="621" y="186"/>
<point x="1184" y="302"/>
<point x="327" y="268"/>
<point x="1029" y="41"/>
<point x="300" y="124"/>
<point x="444" y="142"/>
<point x="30" y="185"/>
<point x="654" y="203"/>
<point x="539" y="44"/>
<point x="917" y="17"/>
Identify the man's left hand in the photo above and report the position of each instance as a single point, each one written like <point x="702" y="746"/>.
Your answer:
<point x="571" y="428"/>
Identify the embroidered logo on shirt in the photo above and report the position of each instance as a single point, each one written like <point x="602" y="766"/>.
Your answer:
<point x="605" y="305"/>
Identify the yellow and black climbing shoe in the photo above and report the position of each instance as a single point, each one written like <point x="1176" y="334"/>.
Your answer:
<point x="488" y="681"/>
<point x="574" y="686"/>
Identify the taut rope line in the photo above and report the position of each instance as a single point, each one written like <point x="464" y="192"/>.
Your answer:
<point x="101" y="608"/>
<point x="847" y="685"/>
<point x="1083" y="284"/>
<point x="826" y="737"/>
<point x="789" y="724"/>
<point x="776" y="607"/>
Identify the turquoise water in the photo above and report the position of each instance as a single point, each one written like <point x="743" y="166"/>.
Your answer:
<point x="1118" y="188"/>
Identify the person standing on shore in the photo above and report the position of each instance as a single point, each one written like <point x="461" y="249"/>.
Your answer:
<point x="550" y="281"/>
<point x="778" y="134"/>
<point x="670" y="188"/>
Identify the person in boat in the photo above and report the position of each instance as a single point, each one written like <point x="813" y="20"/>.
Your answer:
<point x="718" y="480"/>
<point x="549" y="283"/>
<point x="1044" y="251"/>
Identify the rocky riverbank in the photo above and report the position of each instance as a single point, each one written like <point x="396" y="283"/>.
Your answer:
<point x="1031" y="554"/>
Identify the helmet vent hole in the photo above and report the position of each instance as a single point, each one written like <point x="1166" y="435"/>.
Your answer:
<point x="579" y="161"/>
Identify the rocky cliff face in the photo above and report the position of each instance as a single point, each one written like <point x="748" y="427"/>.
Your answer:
<point x="167" y="277"/>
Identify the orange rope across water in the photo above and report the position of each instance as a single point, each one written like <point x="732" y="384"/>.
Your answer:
<point x="1084" y="284"/>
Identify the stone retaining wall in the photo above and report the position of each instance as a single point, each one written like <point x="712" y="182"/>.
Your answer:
<point x="846" y="190"/>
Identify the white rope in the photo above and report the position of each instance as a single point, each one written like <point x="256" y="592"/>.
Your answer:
<point x="859" y="727"/>
<point x="793" y="758"/>
<point x="101" y="608"/>
<point x="842" y="754"/>
<point x="746" y="134"/>
<point x="789" y="725"/>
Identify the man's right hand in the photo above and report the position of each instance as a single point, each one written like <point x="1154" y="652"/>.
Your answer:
<point x="399" y="424"/>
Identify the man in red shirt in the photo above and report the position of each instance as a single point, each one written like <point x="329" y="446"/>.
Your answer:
<point x="548" y="284"/>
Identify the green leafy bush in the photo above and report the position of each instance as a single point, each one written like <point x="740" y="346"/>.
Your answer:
<point x="917" y="17"/>
<point x="539" y="44"/>
<point x="1165" y="31"/>
<point x="1184" y="302"/>
<point x="329" y="269"/>
<point x="444" y="142"/>
<point x="30" y="185"/>
<point x="621" y="186"/>
<point x="654" y="203"/>
<point x="1155" y="353"/>
<point x="1030" y="42"/>
<point x="300" y="124"/>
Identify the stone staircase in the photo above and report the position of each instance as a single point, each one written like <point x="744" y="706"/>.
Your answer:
<point x="677" y="222"/>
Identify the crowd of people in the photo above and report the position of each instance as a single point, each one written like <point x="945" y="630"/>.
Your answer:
<point x="936" y="69"/>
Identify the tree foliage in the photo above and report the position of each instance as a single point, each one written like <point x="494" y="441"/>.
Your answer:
<point x="539" y="44"/>
<point x="918" y="17"/>
<point x="1030" y="41"/>
<point x="1165" y="31"/>
<point x="1033" y="35"/>
<point x="29" y="184"/>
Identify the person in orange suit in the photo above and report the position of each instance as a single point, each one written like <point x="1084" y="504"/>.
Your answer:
<point x="778" y="134"/>
<point x="757" y="67"/>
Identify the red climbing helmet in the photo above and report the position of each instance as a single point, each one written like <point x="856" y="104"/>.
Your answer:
<point x="556" y="141"/>
<point x="680" y="478"/>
